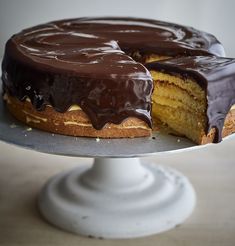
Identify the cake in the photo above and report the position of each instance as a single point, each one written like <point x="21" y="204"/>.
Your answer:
<point x="99" y="77"/>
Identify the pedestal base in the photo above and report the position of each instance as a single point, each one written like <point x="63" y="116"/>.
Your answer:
<point x="117" y="198"/>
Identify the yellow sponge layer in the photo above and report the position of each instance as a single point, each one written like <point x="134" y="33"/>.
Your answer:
<point x="181" y="121"/>
<point x="173" y="96"/>
<point x="187" y="84"/>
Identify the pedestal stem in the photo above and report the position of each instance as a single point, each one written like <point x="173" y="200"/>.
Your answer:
<point x="116" y="173"/>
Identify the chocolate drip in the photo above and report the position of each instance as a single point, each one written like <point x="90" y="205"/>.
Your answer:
<point x="216" y="75"/>
<point x="83" y="61"/>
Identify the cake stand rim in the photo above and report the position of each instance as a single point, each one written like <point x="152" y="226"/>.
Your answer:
<point x="149" y="154"/>
<point x="152" y="154"/>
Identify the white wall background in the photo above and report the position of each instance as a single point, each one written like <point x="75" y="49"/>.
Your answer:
<point x="215" y="16"/>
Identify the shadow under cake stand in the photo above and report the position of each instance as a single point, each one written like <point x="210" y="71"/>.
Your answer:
<point x="116" y="197"/>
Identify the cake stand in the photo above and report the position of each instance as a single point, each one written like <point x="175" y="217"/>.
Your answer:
<point x="117" y="196"/>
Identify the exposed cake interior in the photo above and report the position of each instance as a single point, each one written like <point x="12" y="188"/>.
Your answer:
<point x="180" y="103"/>
<point x="195" y="96"/>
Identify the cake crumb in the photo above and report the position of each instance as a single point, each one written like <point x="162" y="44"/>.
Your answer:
<point x="97" y="139"/>
<point x="25" y="135"/>
<point x="52" y="134"/>
<point x="28" y="88"/>
<point x="29" y="129"/>
<point x="13" y="125"/>
<point x="178" y="140"/>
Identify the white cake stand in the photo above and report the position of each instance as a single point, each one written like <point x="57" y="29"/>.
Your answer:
<point x="116" y="197"/>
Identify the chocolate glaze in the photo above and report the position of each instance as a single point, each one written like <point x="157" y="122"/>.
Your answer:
<point x="84" y="61"/>
<point x="216" y="75"/>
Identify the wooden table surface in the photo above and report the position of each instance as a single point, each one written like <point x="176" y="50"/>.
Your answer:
<point x="210" y="169"/>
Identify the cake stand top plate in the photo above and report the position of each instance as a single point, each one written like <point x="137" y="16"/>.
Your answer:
<point x="14" y="132"/>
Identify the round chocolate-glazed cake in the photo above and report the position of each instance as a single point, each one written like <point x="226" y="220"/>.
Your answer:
<point x="96" y="77"/>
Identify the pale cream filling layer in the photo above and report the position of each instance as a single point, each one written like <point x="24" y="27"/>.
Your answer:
<point x="233" y="107"/>
<point x="35" y="116"/>
<point x="113" y="126"/>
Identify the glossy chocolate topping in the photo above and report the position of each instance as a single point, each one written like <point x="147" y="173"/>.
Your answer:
<point x="214" y="74"/>
<point x="85" y="61"/>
